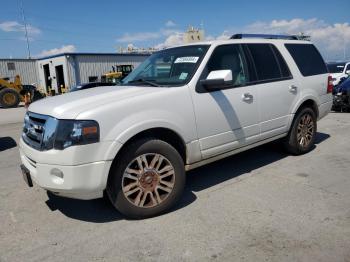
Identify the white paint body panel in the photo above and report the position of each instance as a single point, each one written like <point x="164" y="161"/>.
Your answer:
<point x="212" y="125"/>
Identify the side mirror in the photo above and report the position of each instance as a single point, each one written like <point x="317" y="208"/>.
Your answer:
<point x="217" y="80"/>
<point x="347" y="72"/>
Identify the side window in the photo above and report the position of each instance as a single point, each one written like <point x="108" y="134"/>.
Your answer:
<point x="307" y="58"/>
<point x="11" y="66"/>
<point x="229" y="57"/>
<point x="285" y="73"/>
<point x="265" y="61"/>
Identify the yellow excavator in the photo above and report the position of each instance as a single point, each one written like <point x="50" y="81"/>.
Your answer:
<point x="12" y="93"/>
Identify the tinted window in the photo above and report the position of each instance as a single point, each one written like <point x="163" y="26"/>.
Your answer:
<point x="229" y="57"/>
<point x="307" y="58"/>
<point x="282" y="63"/>
<point x="265" y="61"/>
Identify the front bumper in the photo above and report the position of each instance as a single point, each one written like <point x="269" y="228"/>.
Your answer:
<point x="82" y="181"/>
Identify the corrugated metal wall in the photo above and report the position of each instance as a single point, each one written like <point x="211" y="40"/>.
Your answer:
<point x="26" y="68"/>
<point x="96" y="65"/>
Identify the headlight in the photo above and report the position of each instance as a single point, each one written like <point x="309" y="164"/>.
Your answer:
<point x="76" y="132"/>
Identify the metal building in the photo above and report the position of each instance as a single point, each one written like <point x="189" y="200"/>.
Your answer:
<point x="69" y="69"/>
<point x="26" y="68"/>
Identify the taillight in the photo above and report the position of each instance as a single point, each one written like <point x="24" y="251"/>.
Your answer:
<point x="330" y="85"/>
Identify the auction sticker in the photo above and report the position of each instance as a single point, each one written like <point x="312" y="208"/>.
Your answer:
<point x="187" y="59"/>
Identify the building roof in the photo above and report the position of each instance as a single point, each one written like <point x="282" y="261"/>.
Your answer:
<point x="17" y="59"/>
<point x="94" y="54"/>
<point x="74" y="54"/>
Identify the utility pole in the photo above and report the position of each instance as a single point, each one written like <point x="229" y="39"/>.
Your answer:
<point x="25" y="28"/>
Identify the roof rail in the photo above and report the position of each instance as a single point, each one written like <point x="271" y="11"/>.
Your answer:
<point x="265" y="36"/>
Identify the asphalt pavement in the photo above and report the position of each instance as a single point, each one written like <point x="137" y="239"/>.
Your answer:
<point x="260" y="205"/>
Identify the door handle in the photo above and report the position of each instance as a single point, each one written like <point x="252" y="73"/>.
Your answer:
<point x="247" y="97"/>
<point x="293" y="89"/>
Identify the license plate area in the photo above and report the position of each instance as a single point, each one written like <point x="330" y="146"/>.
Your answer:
<point x="26" y="176"/>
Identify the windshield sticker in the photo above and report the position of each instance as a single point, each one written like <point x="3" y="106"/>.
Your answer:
<point x="183" y="76"/>
<point x="187" y="59"/>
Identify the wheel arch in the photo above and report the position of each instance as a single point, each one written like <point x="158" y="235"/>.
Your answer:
<point x="165" y="134"/>
<point x="311" y="103"/>
<point x="306" y="102"/>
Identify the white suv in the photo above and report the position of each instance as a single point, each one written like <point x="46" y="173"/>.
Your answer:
<point x="180" y="109"/>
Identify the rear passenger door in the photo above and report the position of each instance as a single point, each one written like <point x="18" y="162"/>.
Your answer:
<point x="278" y="90"/>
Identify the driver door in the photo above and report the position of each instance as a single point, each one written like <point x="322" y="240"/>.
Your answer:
<point x="228" y="118"/>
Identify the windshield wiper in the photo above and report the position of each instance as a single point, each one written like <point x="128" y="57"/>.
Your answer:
<point x="141" y="80"/>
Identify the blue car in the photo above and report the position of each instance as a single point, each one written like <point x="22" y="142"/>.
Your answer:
<point x="341" y="96"/>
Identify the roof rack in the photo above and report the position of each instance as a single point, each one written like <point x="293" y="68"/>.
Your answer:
<point x="265" y="36"/>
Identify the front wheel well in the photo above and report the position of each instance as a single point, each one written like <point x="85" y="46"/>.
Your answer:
<point x="164" y="134"/>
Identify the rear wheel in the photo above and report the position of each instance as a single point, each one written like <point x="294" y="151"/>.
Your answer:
<point x="9" y="98"/>
<point x="301" y="136"/>
<point x="147" y="180"/>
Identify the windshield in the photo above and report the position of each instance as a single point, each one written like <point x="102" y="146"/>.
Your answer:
<point x="174" y="67"/>
<point x="336" y="68"/>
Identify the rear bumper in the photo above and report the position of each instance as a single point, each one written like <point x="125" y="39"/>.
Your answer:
<point x="324" y="109"/>
<point x="85" y="181"/>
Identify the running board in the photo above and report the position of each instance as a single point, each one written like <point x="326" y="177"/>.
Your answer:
<point x="233" y="152"/>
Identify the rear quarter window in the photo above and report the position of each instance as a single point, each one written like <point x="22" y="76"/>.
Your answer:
<point x="307" y="58"/>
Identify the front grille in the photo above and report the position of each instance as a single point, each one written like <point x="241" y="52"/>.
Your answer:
<point x="34" y="130"/>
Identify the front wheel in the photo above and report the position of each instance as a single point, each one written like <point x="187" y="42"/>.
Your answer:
<point x="301" y="136"/>
<point x="147" y="179"/>
<point x="9" y="98"/>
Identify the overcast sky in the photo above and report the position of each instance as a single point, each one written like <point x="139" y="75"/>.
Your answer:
<point x="102" y="26"/>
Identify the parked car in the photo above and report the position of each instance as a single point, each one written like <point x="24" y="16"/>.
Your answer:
<point x="212" y="100"/>
<point x="89" y="85"/>
<point x="338" y="71"/>
<point x="341" y="96"/>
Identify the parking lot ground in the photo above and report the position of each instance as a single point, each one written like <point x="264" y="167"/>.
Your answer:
<point x="260" y="205"/>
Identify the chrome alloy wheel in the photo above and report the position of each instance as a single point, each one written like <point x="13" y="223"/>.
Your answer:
<point x="305" y="131"/>
<point x="148" y="180"/>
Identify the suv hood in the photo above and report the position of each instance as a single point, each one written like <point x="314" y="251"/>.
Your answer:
<point x="70" y="105"/>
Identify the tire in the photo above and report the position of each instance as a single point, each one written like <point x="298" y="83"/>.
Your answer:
<point x="141" y="194"/>
<point x="9" y="98"/>
<point x="300" y="139"/>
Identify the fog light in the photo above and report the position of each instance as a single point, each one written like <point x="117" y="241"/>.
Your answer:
<point x="56" y="172"/>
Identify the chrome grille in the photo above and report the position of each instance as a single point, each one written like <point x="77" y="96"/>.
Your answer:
<point x="38" y="130"/>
